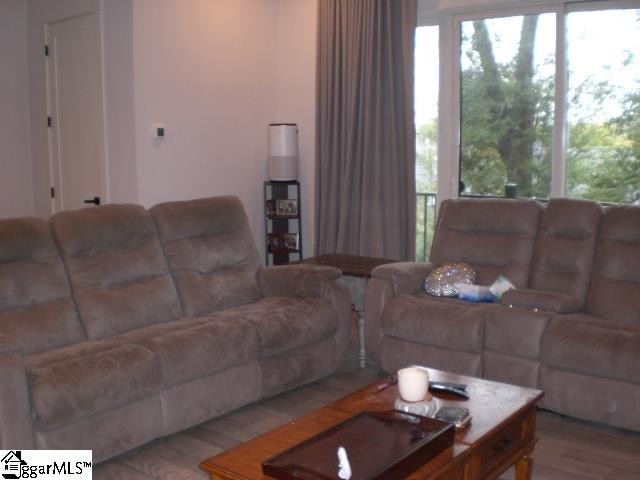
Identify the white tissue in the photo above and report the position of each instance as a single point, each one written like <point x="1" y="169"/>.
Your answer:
<point x="344" y="467"/>
<point x="500" y="286"/>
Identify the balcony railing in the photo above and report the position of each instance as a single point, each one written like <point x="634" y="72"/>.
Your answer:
<point x="425" y="224"/>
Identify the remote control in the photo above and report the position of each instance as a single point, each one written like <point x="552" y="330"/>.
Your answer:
<point x="458" y="386"/>
<point x="438" y="387"/>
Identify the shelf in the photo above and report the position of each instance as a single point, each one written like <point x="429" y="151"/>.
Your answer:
<point x="281" y="182"/>
<point x="282" y="217"/>
<point x="283" y="250"/>
<point x="282" y="222"/>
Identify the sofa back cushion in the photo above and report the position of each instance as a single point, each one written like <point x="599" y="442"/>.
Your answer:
<point x="615" y="284"/>
<point x="563" y="255"/>
<point x="495" y="236"/>
<point x="118" y="273"/>
<point x="36" y="309"/>
<point x="211" y="252"/>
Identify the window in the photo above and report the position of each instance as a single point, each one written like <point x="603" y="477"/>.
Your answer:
<point x="603" y="114"/>
<point x="544" y="99"/>
<point x="426" y="113"/>
<point x="507" y="96"/>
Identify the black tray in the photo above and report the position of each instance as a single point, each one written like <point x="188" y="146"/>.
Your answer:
<point x="380" y="445"/>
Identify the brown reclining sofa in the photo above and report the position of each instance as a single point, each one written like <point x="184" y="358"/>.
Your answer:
<point x="571" y="327"/>
<point x="119" y="325"/>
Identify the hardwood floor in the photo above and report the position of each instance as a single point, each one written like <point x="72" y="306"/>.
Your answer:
<point x="568" y="449"/>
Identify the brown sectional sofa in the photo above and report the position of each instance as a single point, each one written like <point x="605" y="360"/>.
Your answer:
<point x="119" y="325"/>
<point x="570" y="328"/>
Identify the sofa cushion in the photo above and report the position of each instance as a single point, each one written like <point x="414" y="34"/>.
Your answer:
<point x="192" y="348"/>
<point x="439" y="322"/>
<point x="563" y="255"/>
<point x="495" y="236"/>
<point x="615" y="282"/>
<point x="286" y="323"/>
<point x="516" y="331"/>
<point x="593" y="346"/>
<point x="76" y="382"/>
<point x="211" y="252"/>
<point x="35" y="305"/>
<point x="117" y="270"/>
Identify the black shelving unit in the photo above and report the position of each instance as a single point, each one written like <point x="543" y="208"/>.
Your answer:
<point x="282" y="222"/>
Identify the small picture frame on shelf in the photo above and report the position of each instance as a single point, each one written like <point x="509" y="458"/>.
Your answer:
<point x="287" y="207"/>
<point x="281" y="242"/>
<point x="275" y="241"/>
<point x="270" y="208"/>
<point x="290" y="241"/>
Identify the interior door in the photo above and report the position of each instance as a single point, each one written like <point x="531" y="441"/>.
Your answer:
<point x="75" y="101"/>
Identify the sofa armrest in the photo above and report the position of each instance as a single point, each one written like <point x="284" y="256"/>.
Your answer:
<point x="298" y="280"/>
<point x="541" y="300"/>
<point x="312" y="281"/>
<point x="16" y="426"/>
<point x="388" y="281"/>
<point x="405" y="277"/>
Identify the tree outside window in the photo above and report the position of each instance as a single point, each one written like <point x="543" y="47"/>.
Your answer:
<point x="507" y="105"/>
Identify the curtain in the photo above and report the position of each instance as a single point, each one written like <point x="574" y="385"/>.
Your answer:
<point x="365" y="133"/>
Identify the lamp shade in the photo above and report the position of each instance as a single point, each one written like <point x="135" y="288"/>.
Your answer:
<point x="283" y="151"/>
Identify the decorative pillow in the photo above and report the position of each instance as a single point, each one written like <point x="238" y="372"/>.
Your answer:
<point x="445" y="280"/>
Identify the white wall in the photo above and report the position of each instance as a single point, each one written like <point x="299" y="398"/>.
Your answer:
<point x="295" y="91"/>
<point x="205" y="72"/>
<point x="16" y="187"/>
<point x="215" y="73"/>
<point x="119" y="101"/>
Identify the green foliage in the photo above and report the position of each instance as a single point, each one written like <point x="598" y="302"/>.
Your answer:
<point x="425" y="216"/>
<point x="426" y="157"/>
<point x="426" y="183"/>
<point x="603" y="160"/>
<point x="507" y="129"/>
<point x="629" y="122"/>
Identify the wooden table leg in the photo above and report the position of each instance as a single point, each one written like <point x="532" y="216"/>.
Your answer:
<point x="524" y="467"/>
<point x="362" y="353"/>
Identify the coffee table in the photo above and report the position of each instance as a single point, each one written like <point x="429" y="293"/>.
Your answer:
<point x="501" y="434"/>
